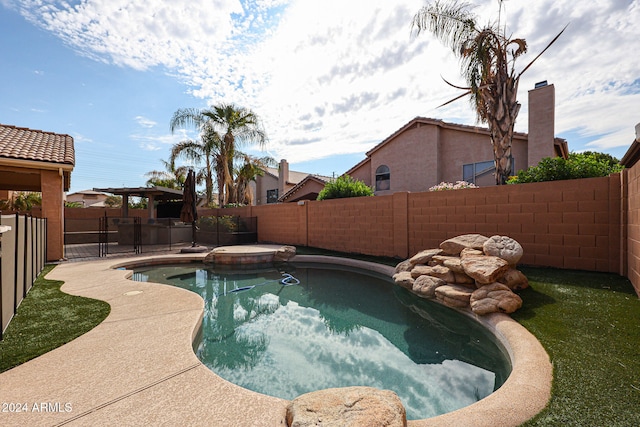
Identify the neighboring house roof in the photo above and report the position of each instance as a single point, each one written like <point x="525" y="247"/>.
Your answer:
<point x="294" y="176"/>
<point x="88" y="193"/>
<point x="560" y="144"/>
<point x="299" y="187"/>
<point x="632" y="155"/>
<point x="159" y="193"/>
<point x="23" y="150"/>
<point x="36" y="145"/>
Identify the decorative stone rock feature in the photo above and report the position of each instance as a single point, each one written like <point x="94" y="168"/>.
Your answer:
<point x="451" y="262"/>
<point x="438" y="271"/>
<point x="503" y="247"/>
<point x="424" y="257"/>
<point x="465" y="273"/>
<point x="515" y="280"/>
<point x="425" y="286"/>
<point x="404" y="266"/>
<point x="454" y="295"/>
<point x="347" y="407"/>
<point x="463" y="279"/>
<point x="466" y="252"/>
<point x="404" y="279"/>
<point x="455" y="245"/>
<point x="284" y="254"/>
<point x="484" y="269"/>
<point x="493" y="298"/>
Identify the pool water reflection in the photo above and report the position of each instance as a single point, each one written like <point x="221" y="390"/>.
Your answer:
<point x="338" y="327"/>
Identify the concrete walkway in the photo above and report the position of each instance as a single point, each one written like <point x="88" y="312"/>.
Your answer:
<point x="138" y="366"/>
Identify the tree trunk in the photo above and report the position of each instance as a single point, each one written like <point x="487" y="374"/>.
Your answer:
<point x="502" y="111"/>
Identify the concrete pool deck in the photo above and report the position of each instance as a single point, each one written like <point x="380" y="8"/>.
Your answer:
<point x="138" y="366"/>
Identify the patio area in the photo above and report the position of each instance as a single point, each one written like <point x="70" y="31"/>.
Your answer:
<point x="138" y="366"/>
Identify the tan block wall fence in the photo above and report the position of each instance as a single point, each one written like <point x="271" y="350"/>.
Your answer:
<point x="576" y="224"/>
<point x="588" y="224"/>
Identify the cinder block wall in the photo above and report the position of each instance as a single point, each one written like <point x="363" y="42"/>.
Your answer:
<point x="631" y="200"/>
<point x="572" y="224"/>
<point x="359" y="225"/>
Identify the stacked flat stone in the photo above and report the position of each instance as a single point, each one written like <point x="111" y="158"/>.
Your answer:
<point x="471" y="270"/>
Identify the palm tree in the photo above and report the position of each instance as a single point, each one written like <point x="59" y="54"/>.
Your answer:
<point x="487" y="57"/>
<point x="206" y="149"/>
<point x="171" y="177"/>
<point x="251" y="168"/>
<point x="232" y="127"/>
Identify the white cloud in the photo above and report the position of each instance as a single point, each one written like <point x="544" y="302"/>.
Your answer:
<point x="331" y="77"/>
<point x="145" y="122"/>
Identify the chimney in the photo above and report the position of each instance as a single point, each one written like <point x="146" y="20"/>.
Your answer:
<point x="542" y="111"/>
<point x="283" y="177"/>
<point x="638" y="132"/>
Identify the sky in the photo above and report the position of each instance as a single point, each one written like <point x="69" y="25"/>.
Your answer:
<point x="329" y="79"/>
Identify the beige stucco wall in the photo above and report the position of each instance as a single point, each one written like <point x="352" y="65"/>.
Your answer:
<point x="427" y="154"/>
<point x="263" y="184"/>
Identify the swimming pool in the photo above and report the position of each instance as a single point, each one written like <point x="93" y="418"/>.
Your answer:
<point x="335" y="327"/>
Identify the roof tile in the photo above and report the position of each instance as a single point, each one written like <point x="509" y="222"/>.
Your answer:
<point x="36" y="145"/>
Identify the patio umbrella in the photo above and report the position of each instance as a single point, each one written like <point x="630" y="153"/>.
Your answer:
<point x="188" y="213"/>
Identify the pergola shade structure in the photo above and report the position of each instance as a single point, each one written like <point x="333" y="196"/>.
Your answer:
<point x="35" y="160"/>
<point x="153" y="194"/>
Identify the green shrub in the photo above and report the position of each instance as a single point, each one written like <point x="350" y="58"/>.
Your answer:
<point x="588" y="164"/>
<point x="344" y="186"/>
<point x="225" y="223"/>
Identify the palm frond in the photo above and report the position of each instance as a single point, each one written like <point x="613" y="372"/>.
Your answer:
<point x="543" y="51"/>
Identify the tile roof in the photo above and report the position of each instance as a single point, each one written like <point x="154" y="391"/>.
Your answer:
<point x="36" y="145"/>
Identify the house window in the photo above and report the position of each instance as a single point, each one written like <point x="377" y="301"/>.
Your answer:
<point x="383" y="181"/>
<point x="473" y="171"/>
<point x="272" y="196"/>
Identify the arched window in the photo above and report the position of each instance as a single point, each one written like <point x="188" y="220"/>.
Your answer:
<point x="383" y="178"/>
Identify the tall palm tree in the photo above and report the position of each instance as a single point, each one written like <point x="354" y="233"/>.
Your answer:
<point x="233" y="127"/>
<point x="205" y="150"/>
<point x="251" y="168"/>
<point x="487" y="56"/>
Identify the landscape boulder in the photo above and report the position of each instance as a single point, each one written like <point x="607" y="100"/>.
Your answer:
<point x="347" y="407"/>
<point x="454" y="295"/>
<point x="469" y="271"/>
<point x="503" y="247"/>
<point x="439" y="271"/>
<point x="484" y="269"/>
<point x="494" y="298"/>
<point x="425" y="286"/>
<point x="514" y="279"/>
<point x="423" y="257"/>
<point x="455" y="245"/>
<point x="404" y="279"/>
<point x="404" y="266"/>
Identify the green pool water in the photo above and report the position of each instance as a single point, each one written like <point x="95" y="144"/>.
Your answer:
<point x="335" y="327"/>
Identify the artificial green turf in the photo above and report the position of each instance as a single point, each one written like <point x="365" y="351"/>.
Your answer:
<point x="47" y="318"/>
<point x="589" y="323"/>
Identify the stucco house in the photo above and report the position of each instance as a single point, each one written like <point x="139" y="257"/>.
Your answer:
<point x="39" y="161"/>
<point x="283" y="185"/>
<point x="425" y="152"/>
<point x="88" y="198"/>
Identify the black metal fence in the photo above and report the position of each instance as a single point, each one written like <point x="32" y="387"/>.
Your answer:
<point x="227" y="230"/>
<point x="23" y="255"/>
<point x="99" y="237"/>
